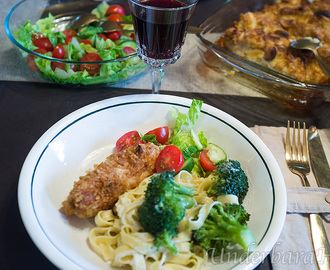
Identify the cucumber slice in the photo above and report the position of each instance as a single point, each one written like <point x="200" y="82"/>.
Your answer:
<point x="121" y="40"/>
<point x="129" y="43"/>
<point x="188" y="165"/>
<point x="215" y="153"/>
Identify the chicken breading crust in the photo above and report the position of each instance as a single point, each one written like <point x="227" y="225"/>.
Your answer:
<point x="100" y="188"/>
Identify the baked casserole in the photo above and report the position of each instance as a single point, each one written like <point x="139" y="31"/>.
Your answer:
<point x="264" y="37"/>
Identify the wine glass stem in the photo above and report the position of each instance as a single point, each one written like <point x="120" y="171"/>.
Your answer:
<point x="157" y="74"/>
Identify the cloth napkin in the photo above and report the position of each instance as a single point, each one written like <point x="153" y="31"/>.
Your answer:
<point x="294" y="249"/>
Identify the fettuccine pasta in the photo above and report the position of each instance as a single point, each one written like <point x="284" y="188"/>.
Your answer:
<point x="120" y="239"/>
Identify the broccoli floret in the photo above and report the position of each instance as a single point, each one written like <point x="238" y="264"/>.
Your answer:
<point x="229" y="178"/>
<point x="164" y="207"/>
<point x="222" y="226"/>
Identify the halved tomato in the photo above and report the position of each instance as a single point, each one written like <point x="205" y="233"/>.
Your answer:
<point x="91" y="68"/>
<point x="30" y="59"/>
<point x="58" y="51"/>
<point x="113" y="35"/>
<point x="127" y="140"/>
<point x="115" y="9"/>
<point x="43" y="43"/>
<point x="169" y="159"/>
<point x="115" y="18"/>
<point x="36" y="36"/>
<point x="67" y="40"/>
<point x="128" y="50"/>
<point x="62" y="66"/>
<point x="205" y="162"/>
<point x="85" y="41"/>
<point x="103" y="36"/>
<point x="69" y="33"/>
<point x="161" y="133"/>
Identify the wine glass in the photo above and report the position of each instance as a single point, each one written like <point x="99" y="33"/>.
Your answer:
<point x="160" y="29"/>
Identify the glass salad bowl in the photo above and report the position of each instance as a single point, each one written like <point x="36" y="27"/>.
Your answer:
<point x="86" y="56"/>
<point x="260" y="78"/>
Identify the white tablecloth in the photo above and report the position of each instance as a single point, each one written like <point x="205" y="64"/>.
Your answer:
<point x="294" y="249"/>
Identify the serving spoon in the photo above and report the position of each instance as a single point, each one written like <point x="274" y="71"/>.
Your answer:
<point x="311" y="44"/>
<point x="82" y="20"/>
<point x="109" y="26"/>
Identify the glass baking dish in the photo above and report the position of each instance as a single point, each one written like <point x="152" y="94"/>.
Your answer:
<point x="262" y="79"/>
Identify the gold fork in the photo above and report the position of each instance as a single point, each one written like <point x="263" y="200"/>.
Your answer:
<point x="297" y="161"/>
<point x="296" y="155"/>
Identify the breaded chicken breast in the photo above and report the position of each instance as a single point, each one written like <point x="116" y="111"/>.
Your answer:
<point x="100" y="188"/>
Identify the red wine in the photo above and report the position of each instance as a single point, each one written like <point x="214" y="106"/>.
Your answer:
<point x="163" y="3"/>
<point x="161" y="34"/>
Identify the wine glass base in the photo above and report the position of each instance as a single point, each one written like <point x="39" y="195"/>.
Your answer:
<point x="158" y="63"/>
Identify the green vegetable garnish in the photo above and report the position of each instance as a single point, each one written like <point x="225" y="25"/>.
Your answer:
<point x="223" y="225"/>
<point x="229" y="179"/>
<point x="164" y="207"/>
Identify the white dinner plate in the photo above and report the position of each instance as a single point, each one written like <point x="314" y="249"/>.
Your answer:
<point x="85" y="137"/>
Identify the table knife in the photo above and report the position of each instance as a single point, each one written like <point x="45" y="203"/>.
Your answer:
<point x="320" y="165"/>
<point x="321" y="170"/>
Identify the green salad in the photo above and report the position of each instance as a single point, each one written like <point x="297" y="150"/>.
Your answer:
<point x="89" y="43"/>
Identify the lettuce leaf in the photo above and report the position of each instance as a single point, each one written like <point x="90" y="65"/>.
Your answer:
<point x="89" y="31"/>
<point x="100" y="10"/>
<point x="183" y="134"/>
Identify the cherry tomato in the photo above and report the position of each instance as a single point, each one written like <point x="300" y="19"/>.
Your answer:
<point x="85" y="41"/>
<point x="67" y="40"/>
<point x="36" y="36"/>
<point x="161" y="133"/>
<point x="102" y="36"/>
<point x="115" y="9"/>
<point x="42" y="42"/>
<point x="132" y="36"/>
<point x="31" y="63"/>
<point x="205" y="162"/>
<point x="113" y="35"/>
<point x="115" y="18"/>
<point x="62" y="66"/>
<point x="128" y="51"/>
<point x="58" y="51"/>
<point x="91" y="68"/>
<point x="169" y="159"/>
<point x="40" y="51"/>
<point x="30" y="59"/>
<point x="69" y="33"/>
<point x="128" y="139"/>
